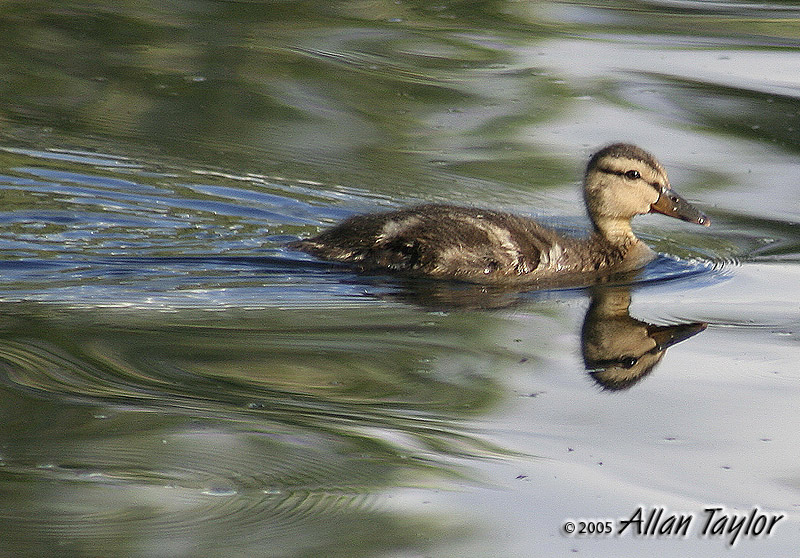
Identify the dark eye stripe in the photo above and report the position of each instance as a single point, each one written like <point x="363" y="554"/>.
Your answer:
<point x="607" y="170"/>
<point x="611" y="171"/>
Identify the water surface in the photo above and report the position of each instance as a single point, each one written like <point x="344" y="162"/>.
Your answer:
<point x="175" y="382"/>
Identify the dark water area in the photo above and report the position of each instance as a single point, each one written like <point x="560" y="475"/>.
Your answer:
<point x="174" y="381"/>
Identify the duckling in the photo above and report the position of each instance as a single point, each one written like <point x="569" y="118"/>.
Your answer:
<point x="485" y="246"/>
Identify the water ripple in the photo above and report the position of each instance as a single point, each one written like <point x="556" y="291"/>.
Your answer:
<point x="166" y="239"/>
<point x="212" y="429"/>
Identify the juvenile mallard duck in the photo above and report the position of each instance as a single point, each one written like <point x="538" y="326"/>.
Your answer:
<point x="485" y="246"/>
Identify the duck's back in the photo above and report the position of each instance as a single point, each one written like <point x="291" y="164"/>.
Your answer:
<point x="454" y="242"/>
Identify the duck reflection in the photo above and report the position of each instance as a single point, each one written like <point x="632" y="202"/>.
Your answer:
<point x="265" y="424"/>
<point x="619" y="350"/>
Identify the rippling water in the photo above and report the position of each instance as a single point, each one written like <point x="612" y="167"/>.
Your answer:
<point x="175" y="382"/>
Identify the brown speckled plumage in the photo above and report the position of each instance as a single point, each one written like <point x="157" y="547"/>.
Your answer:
<point x="485" y="246"/>
<point x="458" y="243"/>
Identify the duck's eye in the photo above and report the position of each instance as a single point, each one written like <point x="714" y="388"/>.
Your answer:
<point x="628" y="362"/>
<point x="633" y="174"/>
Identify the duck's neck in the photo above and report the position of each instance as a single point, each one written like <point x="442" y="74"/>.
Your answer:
<point x="615" y="231"/>
<point x="621" y="247"/>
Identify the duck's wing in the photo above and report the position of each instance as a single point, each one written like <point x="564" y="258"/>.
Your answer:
<point x="440" y="241"/>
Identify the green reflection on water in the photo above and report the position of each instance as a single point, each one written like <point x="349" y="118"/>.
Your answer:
<point x="341" y="92"/>
<point x="390" y="97"/>
<point x="269" y="426"/>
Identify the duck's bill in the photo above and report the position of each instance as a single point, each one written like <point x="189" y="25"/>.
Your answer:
<point x="667" y="336"/>
<point x="670" y="203"/>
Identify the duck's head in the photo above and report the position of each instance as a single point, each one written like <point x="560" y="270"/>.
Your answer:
<point x="623" y="180"/>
